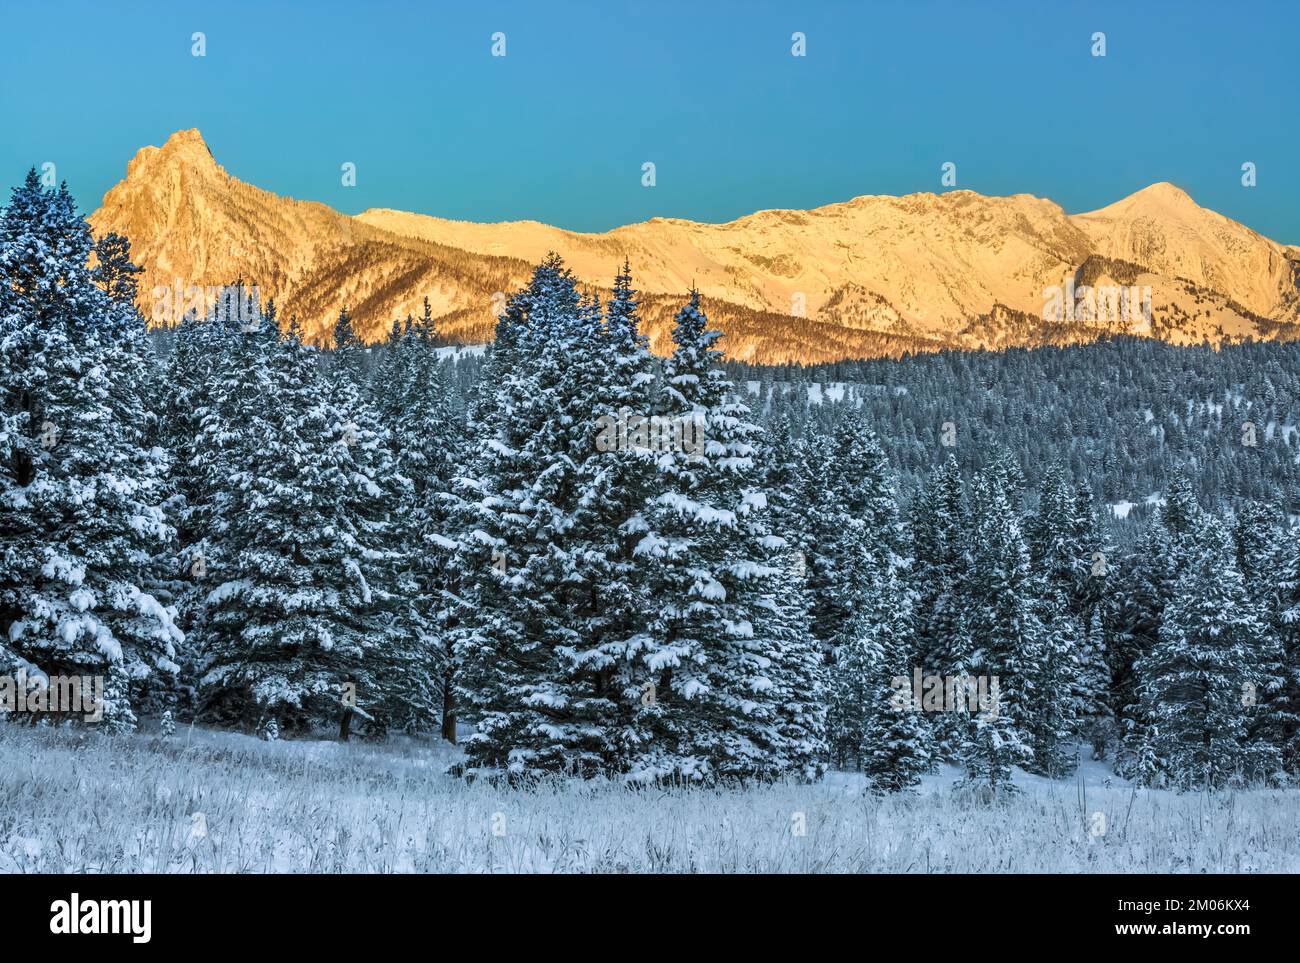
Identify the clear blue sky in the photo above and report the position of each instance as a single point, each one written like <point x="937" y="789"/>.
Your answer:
<point x="707" y="90"/>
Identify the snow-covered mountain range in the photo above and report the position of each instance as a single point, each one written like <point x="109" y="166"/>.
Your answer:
<point x="875" y="275"/>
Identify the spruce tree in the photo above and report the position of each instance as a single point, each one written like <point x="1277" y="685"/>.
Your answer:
<point x="993" y="747"/>
<point x="1144" y="589"/>
<point x="939" y="570"/>
<point x="798" y="743"/>
<point x="1260" y="535"/>
<point x="1056" y="533"/>
<point x="425" y="440"/>
<point x="618" y="480"/>
<point x="819" y="510"/>
<point x="81" y="484"/>
<point x="536" y="679"/>
<point x="1008" y="639"/>
<point x="710" y="553"/>
<point x="1287" y="621"/>
<point x="405" y="660"/>
<point x="114" y="271"/>
<point x="895" y="740"/>
<point x="292" y="628"/>
<point x="1197" y="682"/>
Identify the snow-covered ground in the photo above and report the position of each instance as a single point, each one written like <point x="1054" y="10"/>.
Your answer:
<point x="457" y="351"/>
<point x="1121" y="509"/>
<point x="202" y="801"/>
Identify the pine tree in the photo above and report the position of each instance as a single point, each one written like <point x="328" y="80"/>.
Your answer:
<point x="1287" y="622"/>
<point x="536" y="678"/>
<point x="425" y="438"/>
<point x="894" y="737"/>
<point x="292" y="624"/>
<point x="798" y="743"/>
<point x="83" y="523"/>
<point x="114" y="272"/>
<point x="1008" y="638"/>
<point x="939" y="570"/>
<point x="709" y="553"/>
<point x="1196" y="682"/>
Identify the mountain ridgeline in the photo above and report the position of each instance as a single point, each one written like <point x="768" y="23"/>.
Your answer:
<point x="875" y="276"/>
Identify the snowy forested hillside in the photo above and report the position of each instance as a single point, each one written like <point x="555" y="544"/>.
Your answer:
<point x="1120" y="416"/>
<point x="602" y="563"/>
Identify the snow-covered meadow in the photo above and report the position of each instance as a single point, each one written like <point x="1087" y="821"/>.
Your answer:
<point x="201" y="801"/>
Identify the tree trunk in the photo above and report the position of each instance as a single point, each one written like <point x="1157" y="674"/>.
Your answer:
<point x="448" y="712"/>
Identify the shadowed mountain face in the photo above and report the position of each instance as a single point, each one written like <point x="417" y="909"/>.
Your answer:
<point x="869" y="277"/>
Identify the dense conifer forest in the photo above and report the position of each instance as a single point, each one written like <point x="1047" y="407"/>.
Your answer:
<point x="983" y="559"/>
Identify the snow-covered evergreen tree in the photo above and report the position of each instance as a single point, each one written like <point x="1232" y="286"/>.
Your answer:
<point x="1057" y="553"/>
<point x="1008" y="639"/>
<point x="347" y="359"/>
<point x="1049" y="701"/>
<point x="81" y="488"/>
<point x="1199" y="683"/>
<point x="1287" y="622"/>
<point x="292" y="629"/>
<point x="1137" y="608"/>
<point x="1180" y="515"/>
<point x="797" y="745"/>
<point x="939" y="571"/>
<point x="1068" y="686"/>
<point x="710" y="553"/>
<point x="1094" y="716"/>
<point x="819" y="512"/>
<point x="875" y="723"/>
<point x="854" y="696"/>
<point x="199" y="345"/>
<point x="1260" y="535"/>
<point x="406" y="662"/>
<point x="617" y="481"/>
<point x="425" y="437"/>
<point x="852" y="534"/>
<point x="536" y="677"/>
<point x="114" y="271"/>
<point x="993" y="746"/>
<point x="784" y="484"/>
